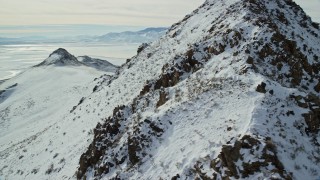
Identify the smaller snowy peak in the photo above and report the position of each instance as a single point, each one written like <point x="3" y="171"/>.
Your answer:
<point x="60" y="57"/>
<point x="98" y="64"/>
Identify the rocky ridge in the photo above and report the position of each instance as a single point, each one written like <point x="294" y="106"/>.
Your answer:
<point x="99" y="64"/>
<point x="231" y="91"/>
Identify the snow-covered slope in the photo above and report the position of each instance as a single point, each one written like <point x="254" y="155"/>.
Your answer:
<point x="34" y="131"/>
<point x="230" y="91"/>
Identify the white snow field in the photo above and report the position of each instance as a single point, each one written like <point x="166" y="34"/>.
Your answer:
<point x="34" y="130"/>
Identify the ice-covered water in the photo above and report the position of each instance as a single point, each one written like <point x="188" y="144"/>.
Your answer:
<point x="16" y="58"/>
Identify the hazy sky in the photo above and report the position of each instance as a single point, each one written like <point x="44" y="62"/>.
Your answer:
<point x="138" y="13"/>
<point x="111" y="12"/>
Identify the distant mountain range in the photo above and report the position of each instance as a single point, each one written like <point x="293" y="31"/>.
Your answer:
<point x="145" y="35"/>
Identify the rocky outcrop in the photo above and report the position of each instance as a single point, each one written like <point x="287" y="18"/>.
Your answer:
<point x="261" y="88"/>
<point x="312" y="118"/>
<point x="104" y="136"/>
<point x="142" y="47"/>
<point x="317" y="87"/>
<point x="107" y="136"/>
<point x="232" y="162"/>
<point x="162" y="98"/>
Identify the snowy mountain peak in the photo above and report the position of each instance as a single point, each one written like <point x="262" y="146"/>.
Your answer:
<point x="60" y="57"/>
<point x="61" y="52"/>
<point x="231" y="91"/>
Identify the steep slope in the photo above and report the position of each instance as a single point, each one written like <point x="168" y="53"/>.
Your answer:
<point x="34" y="131"/>
<point x="230" y="91"/>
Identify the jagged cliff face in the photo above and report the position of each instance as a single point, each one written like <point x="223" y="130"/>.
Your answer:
<point x="230" y="91"/>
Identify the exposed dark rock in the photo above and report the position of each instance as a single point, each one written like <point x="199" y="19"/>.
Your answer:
<point x="316" y="25"/>
<point x="271" y="92"/>
<point x="133" y="147"/>
<point x="261" y="88"/>
<point x="80" y="102"/>
<point x="176" y="177"/>
<point x="156" y="129"/>
<point x="171" y="75"/>
<point x="317" y="87"/>
<point x="95" y="88"/>
<point x="168" y="80"/>
<point x="145" y="89"/>
<point x="230" y="158"/>
<point x="162" y="98"/>
<point x="312" y="118"/>
<point x="250" y="60"/>
<point x="102" y="133"/>
<point x="142" y="47"/>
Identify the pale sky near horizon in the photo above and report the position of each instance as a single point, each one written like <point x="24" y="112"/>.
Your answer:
<point x="139" y="13"/>
<point x="110" y="12"/>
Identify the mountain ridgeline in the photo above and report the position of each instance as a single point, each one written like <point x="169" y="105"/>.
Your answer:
<point x="231" y="91"/>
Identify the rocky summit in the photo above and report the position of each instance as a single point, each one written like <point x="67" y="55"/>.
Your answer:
<point x="60" y="57"/>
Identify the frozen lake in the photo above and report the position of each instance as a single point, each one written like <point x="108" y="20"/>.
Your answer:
<point x="16" y="58"/>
